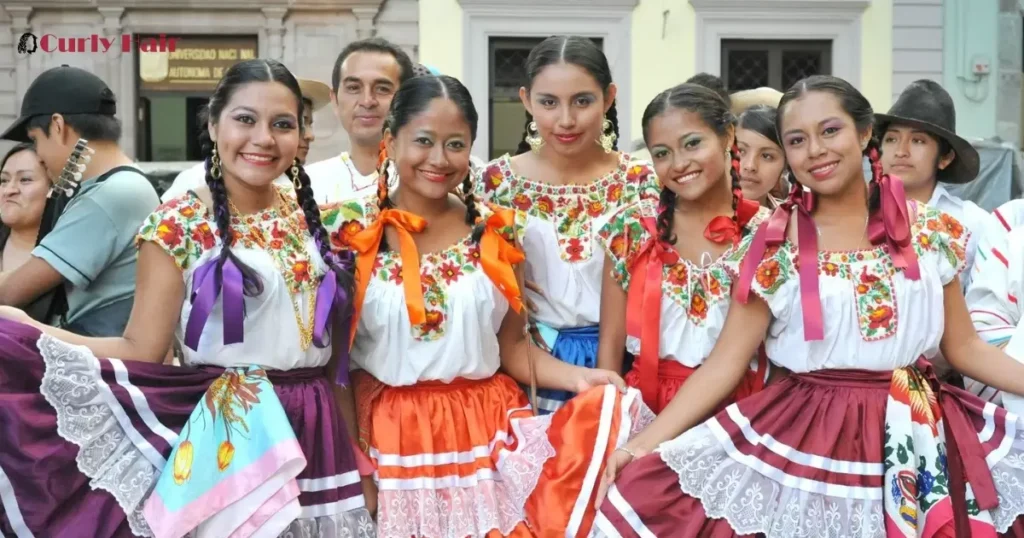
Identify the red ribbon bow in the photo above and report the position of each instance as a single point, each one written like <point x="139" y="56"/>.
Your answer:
<point x="773" y="232"/>
<point x="643" y="307"/>
<point x="724" y="229"/>
<point x="891" y="225"/>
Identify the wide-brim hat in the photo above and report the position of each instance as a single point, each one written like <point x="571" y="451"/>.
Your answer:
<point x="926" y="105"/>
<point x="744" y="99"/>
<point x="316" y="91"/>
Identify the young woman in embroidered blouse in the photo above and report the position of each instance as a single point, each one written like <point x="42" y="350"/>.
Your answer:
<point x="250" y="436"/>
<point x="666" y="295"/>
<point x="569" y="178"/>
<point x="456" y="448"/>
<point x="861" y="440"/>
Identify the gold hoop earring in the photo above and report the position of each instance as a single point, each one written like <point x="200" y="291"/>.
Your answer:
<point x="214" y="163"/>
<point x="608" y="137"/>
<point x="295" y="175"/>
<point x="533" y="137"/>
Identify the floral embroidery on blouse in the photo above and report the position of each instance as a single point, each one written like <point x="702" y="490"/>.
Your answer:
<point x="694" y="288"/>
<point x="438" y="270"/>
<point x="869" y="271"/>
<point x="571" y="207"/>
<point x="184" y="229"/>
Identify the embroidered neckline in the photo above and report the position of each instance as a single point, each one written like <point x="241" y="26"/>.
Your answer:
<point x="541" y="187"/>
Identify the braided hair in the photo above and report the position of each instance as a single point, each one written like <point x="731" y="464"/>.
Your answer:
<point x="578" y="51"/>
<point x="242" y="73"/>
<point x="858" y="108"/>
<point x="411" y="99"/>
<point x="715" y="113"/>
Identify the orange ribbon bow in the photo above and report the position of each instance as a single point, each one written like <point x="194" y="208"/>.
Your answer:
<point x="497" y="256"/>
<point x="367" y="242"/>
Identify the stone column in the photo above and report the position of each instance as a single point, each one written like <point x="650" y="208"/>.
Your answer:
<point x="22" y="66"/>
<point x="274" y="31"/>
<point x="364" y="21"/>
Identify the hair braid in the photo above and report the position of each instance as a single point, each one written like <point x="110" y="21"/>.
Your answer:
<point x="472" y="213"/>
<point x="873" y="151"/>
<point x="251" y="283"/>
<point x="524" y="146"/>
<point x="737" y="191"/>
<point x="666" y="209"/>
<point x="613" y="118"/>
<point x="311" y="212"/>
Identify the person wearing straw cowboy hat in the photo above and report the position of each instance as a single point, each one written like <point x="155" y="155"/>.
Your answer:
<point x="920" y="146"/>
<point x="315" y="95"/>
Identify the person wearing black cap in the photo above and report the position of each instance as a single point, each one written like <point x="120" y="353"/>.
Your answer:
<point x="921" y="147"/>
<point x="90" y="250"/>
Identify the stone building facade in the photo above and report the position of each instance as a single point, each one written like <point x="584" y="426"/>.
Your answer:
<point x="306" y="35"/>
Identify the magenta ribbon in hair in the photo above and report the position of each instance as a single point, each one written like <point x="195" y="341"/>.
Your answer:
<point x="891" y="226"/>
<point x="329" y="298"/>
<point x="772" y="232"/>
<point x="207" y="285"/>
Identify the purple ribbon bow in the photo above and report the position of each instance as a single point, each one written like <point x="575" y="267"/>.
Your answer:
<point x="207" y="285"/>
<point x="329" y="298"/>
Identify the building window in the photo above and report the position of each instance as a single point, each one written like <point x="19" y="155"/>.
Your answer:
<point x="508" y="74"/>
<point x="777" y="64"/>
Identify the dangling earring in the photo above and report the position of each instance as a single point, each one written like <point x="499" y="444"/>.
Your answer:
<point x="214" y="163"/>
<point x="533" y="137"/>
<point x="295" y="175"/>
<point x="608" y="137"/>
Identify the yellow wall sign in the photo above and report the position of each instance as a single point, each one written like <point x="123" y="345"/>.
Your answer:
<point x="196" y="64"/>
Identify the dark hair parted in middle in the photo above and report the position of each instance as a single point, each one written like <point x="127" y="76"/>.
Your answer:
<point x="857" y="107"/>
<point x="761" y="119"/>
<point x="578" y="51"/>
<point x="715" y="113"/>
<point x="236" y="77"/>
<point x="412" y="98"/>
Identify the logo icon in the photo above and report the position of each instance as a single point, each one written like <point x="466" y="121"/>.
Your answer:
<point x="28" y="43"/>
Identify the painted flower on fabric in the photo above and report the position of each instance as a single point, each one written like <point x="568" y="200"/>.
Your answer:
<point x="301" y="271"/>
<point x="880" y="316"/>
<point x="225" y="453"/>
<point x="830" y="269"/>
<point x="492" y="179"/>
<point x="595" y="208"/>
<point x="575" y="250"/>
<point x="698" y="307"/>
<point x="953" y="227"/>
<point x="183" y="463"/>
<point x="767" y="273"/>
<point x="545" y="204"/>
<point x="615" y="192"/>
<point x="203" y="235"/>
<point x="617" y="246"/>
<point x="521" y="202"/>
<point x="170" y="232"/>
<point x="450" y="272"/>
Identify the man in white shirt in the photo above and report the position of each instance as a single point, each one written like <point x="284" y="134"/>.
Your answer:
<point x="315" y="95"/>
<point x="921" y="147"/>
<point x="366" y="76"/>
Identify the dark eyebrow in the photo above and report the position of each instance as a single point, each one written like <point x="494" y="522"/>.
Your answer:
<point x="820" y="123"/>
<point x="574" y="96"/>
<point x="381" y="80"/>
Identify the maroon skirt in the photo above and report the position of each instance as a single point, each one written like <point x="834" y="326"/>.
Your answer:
<point x="83" y="440"/>
<point x="808" y="456"/>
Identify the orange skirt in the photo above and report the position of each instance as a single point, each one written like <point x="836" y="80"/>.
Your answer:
<point x="469" y="458"/>
<point x="436" y="447"/>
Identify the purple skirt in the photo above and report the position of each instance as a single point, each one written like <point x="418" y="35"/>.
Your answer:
<point x="83" y="440"/>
